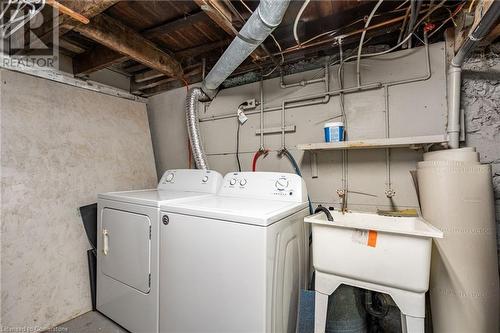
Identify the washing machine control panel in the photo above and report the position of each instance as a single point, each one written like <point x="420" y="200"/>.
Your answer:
<point x="264" y="185"/>
<point x="191" y="180"/>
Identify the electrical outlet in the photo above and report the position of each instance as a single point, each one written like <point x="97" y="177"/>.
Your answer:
<point x="250" y="104"/>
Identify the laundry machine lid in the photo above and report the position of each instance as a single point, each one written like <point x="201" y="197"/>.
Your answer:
<point x="175" y="184"/>
<point x="241" y="210"/>
<point x="151" y="197"/>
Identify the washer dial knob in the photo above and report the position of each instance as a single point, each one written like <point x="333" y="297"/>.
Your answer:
<point x="243" y="182"/>
<point x="232" y="181"/>
<point x="281" y="184"/>
<point x="205" y="179"/>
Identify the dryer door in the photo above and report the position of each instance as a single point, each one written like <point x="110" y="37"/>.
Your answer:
<point x="126" y="248"/>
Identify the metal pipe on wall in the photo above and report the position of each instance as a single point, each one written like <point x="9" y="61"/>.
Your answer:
<point x="313" y="99"/>
<point x="303" y="83"/>
<point x="325" y="100"/>
<point x="389" y="192"/>
<point x="455" y="71"/>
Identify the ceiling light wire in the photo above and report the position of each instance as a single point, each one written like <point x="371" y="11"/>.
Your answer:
<point x="297" y="19"/>
<point x="360" y="48"/>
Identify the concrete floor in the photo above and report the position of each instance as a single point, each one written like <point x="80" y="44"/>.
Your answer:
<point x="90" y="322"/>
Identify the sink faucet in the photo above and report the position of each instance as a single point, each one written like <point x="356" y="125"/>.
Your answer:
<point x="324" y="210"/>
<point x="342" y="194"/>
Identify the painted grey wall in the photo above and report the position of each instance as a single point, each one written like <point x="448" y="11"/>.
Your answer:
<point x="60" y="147"/>
<point x="415" y="109"/>
<point x="481" y="104"/>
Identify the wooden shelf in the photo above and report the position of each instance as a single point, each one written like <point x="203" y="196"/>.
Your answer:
<point x="410" y="142"/>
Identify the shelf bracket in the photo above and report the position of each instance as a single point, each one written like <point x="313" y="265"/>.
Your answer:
<point x="314" y="164"/>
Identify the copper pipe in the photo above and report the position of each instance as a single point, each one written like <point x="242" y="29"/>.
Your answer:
<point x="332" y="39"/>
<point x="349" y="34"/>
<point x="67" y="11"/>
<point x="403" y="26"/>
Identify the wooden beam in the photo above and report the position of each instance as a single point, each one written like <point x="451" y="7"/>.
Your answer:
<point x="223" y="17"/>
<point x="67" y="11"/>
<point x="146" y="76"/>
<point x="162" y="81"/>
<point x="101" y="58"/>
<point x="220" y="15"/>
<point x="172" y="26"/>
<point x="201" y="49"/>
<point x="171" y="85"/>
<point x="87" y="8"/>
<point x="96" y="59"/>
<point x="134" y="68"/>
<point x="118" y="37"/>
<point x="70" y="46"/>
<point x="154" y="74"/>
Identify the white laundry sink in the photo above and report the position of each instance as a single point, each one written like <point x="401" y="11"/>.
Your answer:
<point x="388" y="251"/>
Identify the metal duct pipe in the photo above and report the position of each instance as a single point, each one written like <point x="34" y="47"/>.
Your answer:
<point x="194" y="96"/>
<point x="455" y="71"/>
<point x="258" y="27"/>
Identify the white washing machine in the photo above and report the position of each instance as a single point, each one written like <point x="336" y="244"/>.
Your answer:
<point x="235" y="262"/>
<point x="128" y="245"/>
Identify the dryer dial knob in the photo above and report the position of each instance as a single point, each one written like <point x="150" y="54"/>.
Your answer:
<point x="205" y="179"/>
<point x="169" y="177"/>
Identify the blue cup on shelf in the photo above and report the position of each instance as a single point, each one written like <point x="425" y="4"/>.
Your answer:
<point x="334" y="132"/>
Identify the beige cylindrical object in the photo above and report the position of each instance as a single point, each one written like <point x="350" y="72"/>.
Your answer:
<point x="457" y="197"/>
<point x="459" y="155"/>
<point x="438" y="164"/>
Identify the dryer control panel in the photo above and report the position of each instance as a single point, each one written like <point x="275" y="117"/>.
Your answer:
<point x="191" y="180"/>
<point x="264" y="185"/>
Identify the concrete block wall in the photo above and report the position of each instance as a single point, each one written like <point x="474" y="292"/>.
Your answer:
<point x="481" y="105"/>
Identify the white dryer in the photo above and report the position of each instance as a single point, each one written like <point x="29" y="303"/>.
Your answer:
<point x="128" y="245"/>
<point x="235" y="262"/>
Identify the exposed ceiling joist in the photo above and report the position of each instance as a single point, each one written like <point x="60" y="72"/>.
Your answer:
<point x="191" y="73"/>
<point x="71" y="46"/>
<point x="109" y="32"/>
<point x="171" y="84"/>
<point x="96" y="59"/>
<point x="146" y="76"/>
<point x="202" y="49"/>
<point x="223" y="17"/>
<point x="101" y="57"/>
<point x="172" y="26"/>
<point x="87" y="8"/>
